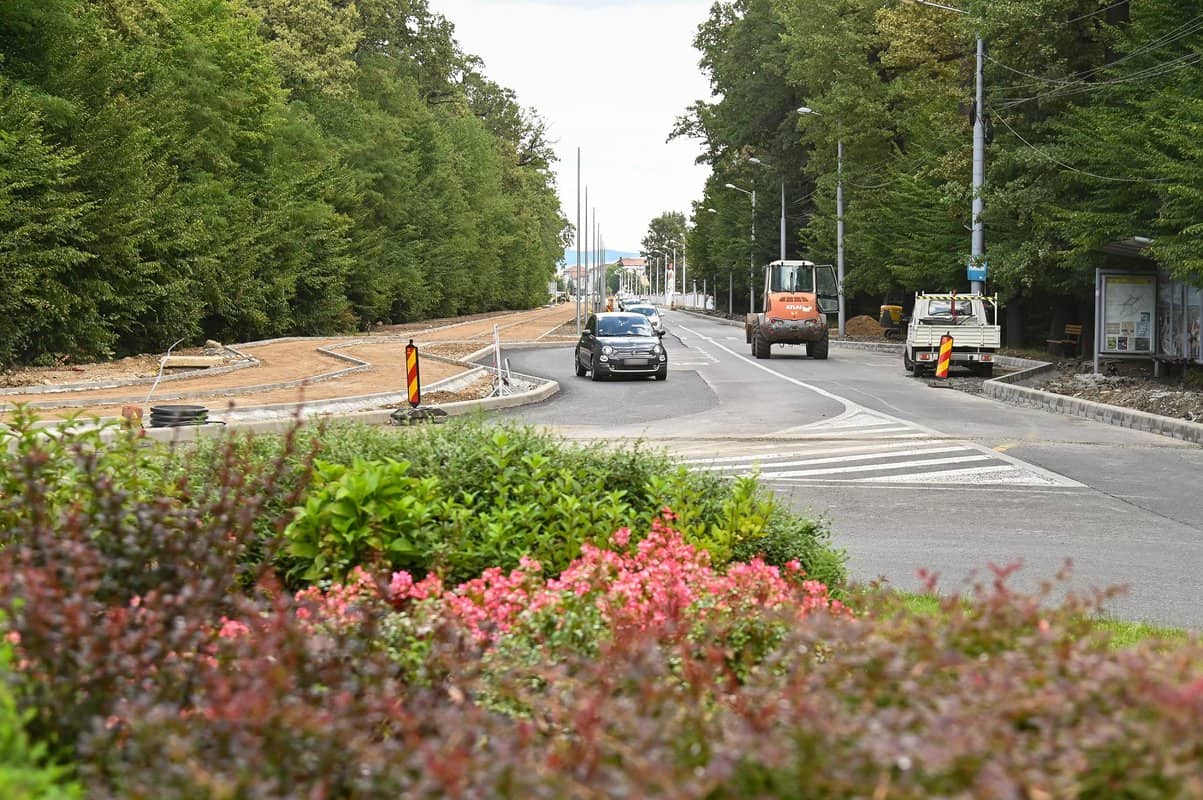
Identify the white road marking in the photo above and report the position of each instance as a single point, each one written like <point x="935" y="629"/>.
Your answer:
<point x="841" y="449"/>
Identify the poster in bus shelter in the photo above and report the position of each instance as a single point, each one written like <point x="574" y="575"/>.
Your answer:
<point x="1178" y="319"/>
<point x="1129" y="304"/>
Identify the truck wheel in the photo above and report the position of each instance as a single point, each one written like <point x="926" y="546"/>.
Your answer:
<point x="760" y="348"/>
<point x="818" y="349"/>
<point x="984" y="370"/>
<point x="907" y="364"/>
<point x="580" y="368"/>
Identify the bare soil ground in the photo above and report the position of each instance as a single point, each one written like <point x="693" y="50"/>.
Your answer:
<point x="286" y="371"/>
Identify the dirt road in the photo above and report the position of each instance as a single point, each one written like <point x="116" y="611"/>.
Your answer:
<point x="288" y="371"/>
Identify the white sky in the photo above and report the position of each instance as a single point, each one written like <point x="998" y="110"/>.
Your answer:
<point x="609" y="77"/>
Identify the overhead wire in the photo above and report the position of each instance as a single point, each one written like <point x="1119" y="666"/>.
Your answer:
<point x="1188" y="28"/>
<point x="1093" y="13"/>
<point x="1069" y="90"/>
<point x="1070" y="167"/>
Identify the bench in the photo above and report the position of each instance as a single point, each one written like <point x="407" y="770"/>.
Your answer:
<point x="1068" y="345"/>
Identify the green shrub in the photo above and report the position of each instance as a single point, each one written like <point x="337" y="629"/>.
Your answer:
<point x="462" y="497"/>
<point x="25" y="773"/>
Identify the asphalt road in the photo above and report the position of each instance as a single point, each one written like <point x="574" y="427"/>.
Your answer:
<point x="910" y="476"/>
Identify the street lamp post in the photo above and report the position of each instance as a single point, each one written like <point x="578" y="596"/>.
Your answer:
<point x="684" y="269"/>
<point x="839" y="222"/>
<point x="752" y="254"/>
<point x="656" y="275"/>
<point x="730" y="282"/>
<point x="757" y="161"/>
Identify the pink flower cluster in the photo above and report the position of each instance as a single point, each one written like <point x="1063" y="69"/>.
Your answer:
<point x="663" y="580"/>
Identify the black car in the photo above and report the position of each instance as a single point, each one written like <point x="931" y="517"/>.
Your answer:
<point x="620" y="343"/>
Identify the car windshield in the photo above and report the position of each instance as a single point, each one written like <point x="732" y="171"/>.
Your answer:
<point x="944" y="308"/>
<point x="791" y="278"/>
<point x="624" y="326"/>
<point x="647" y="311"/>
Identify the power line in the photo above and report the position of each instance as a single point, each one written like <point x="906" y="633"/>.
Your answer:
<point x="1062" y="164"/>
<point x="1070" y="89"/>
<point x="1188" y="28"/>
<point x="1092" y="13"/>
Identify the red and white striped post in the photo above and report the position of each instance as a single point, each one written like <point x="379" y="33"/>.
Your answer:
<point x="411" y="374"/>
<point x="945" y="357"/>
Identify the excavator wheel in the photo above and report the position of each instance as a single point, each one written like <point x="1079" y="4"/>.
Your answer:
<point x="818" y="349"/>
<point x="760" y="347"/>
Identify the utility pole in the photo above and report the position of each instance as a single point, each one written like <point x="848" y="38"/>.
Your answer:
<point x="752" y="261"/>
<point x="782" y="217"/>
<point x="977" y="252"/>
<point x="839" y="231"/>
<point x="576" y="276"/>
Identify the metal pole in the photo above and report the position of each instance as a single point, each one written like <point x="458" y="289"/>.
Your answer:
<point x="576" y="276"/>
<point x="731" y="292"/>
<point x="782" y="217"/>
<point x="839" y="230"/>
<point x="586" y="288"/>
<point x="674" y="286"/>
<point x="752" y="261"/>
<point x="978" y="244"/>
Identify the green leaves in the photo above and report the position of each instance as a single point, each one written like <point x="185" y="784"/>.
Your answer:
<point x="199" y="168"/>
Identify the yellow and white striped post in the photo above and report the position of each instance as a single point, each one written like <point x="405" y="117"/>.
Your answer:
<point x="411" y="373"/>
<point x="945" y="356"/>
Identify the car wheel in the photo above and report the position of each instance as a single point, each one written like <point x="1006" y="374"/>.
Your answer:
<point x="580" y="368"/>
<point x="598" y="372"/>
<point x="662" y="373"/>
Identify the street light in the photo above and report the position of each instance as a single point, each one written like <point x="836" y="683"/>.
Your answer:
<point x="655" y="275"/>
<point x="839" y="222"/>
<point x="752" y="254"/>
<point x="730" y="282"/>
<point x="684" y="269"/>
<point x="755" y="160"/>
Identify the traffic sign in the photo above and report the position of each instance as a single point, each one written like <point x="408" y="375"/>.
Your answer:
<point x="976" y="272"/>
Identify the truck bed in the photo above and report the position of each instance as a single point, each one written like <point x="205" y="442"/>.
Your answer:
<point x="924" y="334"/>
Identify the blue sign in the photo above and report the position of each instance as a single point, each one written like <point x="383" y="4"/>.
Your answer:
<point x="976" y="272"/>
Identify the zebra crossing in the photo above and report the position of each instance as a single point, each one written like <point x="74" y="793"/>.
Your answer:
<point x="867" y="447"/>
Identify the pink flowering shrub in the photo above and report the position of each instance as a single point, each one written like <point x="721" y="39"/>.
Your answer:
<point x="661" y="584"/>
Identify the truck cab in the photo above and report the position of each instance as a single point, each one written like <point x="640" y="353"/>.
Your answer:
<point x="798" y="296"/>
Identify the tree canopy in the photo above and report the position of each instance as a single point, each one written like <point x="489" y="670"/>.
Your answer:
<point x="243" y="169"/>
<point x="1092" y="114"/>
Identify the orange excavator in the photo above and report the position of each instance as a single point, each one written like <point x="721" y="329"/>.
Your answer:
<point x="798" y="296"/>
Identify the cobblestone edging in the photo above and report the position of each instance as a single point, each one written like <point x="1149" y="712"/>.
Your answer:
<point x="1009" y="389"/>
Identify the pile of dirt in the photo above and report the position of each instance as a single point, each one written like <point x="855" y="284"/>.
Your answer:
<point x="863" y="325"/>
<point x="1166" y="397"/>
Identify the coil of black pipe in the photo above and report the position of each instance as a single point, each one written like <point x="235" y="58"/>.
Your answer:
<point x="177" y="416"/>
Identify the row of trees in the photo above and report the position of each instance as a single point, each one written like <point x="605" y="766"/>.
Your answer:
<point x="1092" y="108"/>
<point x="252" y="168"/>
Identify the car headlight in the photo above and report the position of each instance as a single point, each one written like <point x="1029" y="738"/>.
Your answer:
<point x="657" y="349"/>
<point x="607" y="349"/>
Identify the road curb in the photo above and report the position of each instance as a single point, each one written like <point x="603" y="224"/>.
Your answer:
<point x="1009" y="389"/>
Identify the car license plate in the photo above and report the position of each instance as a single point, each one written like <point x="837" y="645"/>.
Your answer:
<point x="636" y="362"/>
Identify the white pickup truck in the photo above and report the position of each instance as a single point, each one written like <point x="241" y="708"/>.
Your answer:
<point x="968" y="318"/>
